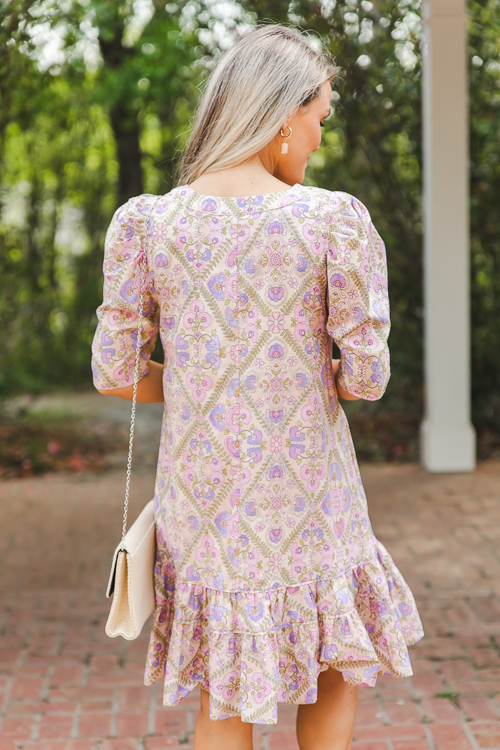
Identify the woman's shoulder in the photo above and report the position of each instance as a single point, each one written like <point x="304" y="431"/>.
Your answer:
<point x="337" y="202"/>
<point x="139" y="206"/>
<point x="129" y="227"/>
<point x="132" y="217"/>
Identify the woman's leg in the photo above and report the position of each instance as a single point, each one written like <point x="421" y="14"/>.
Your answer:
<point x="224" y="734"/>
<point x="328" y="724"/>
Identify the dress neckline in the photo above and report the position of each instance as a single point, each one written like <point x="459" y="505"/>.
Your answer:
<point x="243" y="197"/>
<point x="248" y="204"/>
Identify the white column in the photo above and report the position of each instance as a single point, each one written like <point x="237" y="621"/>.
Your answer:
<point x="447" y="435"/>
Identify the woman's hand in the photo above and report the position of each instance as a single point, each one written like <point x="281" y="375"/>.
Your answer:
<point x="149" y="388"/>
<point x="341" y="391"/>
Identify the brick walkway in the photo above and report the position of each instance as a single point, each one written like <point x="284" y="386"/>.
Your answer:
<point x="65" y="686"/>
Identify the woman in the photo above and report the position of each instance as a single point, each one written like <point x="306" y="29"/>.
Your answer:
<point x="267" y="571"/>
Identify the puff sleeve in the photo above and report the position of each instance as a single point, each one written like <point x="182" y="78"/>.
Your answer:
<point x="357" y="299"/>
<point x="125" y="269"/>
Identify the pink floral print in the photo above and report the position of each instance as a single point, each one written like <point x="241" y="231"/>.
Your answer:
<point x="267" y="569"/>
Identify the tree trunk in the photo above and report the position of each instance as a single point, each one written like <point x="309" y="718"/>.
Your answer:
<point x="122" y="116"/>
<point x="127" y="132"/>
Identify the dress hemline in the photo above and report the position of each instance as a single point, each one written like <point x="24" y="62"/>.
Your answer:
<point x="253" y="650"/>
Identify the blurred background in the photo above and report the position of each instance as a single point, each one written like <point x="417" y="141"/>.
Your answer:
<point x="96" y="99"/>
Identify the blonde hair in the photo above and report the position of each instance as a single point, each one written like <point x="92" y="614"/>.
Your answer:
<point x="255" y="86"/>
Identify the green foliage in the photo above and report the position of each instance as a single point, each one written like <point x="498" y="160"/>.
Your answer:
<point x="484" y="42"/>
<point x="60" y="167"/>
<point x="145" y="75"/>
<point x="15" y="64"/>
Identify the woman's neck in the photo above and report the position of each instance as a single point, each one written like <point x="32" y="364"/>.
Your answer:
<point x="249" y="178"/>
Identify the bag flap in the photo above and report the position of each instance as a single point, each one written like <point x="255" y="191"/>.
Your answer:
<point x="112" y="574"/>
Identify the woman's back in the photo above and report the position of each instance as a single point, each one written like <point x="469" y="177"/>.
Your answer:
<point x="243" y="304"/>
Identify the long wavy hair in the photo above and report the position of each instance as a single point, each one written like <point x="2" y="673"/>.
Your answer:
<point x="255" y="86"/>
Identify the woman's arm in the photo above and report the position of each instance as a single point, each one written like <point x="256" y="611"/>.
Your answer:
<point x="149" y="388"/>
<point x="358" y="303"/>
<point x="342" y="391"/>
<point x="116" y="340"/>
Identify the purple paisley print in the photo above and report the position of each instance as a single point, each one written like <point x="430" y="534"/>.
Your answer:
<point x="267" y="569"/>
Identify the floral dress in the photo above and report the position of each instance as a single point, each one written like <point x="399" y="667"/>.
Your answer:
<point x="267" y="568"/>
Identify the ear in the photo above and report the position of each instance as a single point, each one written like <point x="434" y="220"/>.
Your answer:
<point x="284" y="127"/>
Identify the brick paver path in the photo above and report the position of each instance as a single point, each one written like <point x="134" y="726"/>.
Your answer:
<point x="65" y="686"/>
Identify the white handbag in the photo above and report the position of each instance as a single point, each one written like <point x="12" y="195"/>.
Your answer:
<point x="131" y="579"/>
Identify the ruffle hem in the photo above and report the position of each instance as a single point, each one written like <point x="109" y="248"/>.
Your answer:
<point x="253" y="650"/>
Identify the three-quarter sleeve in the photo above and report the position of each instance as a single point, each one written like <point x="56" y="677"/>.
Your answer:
<point x="126" y="271"/>
<point x="357" y="299"/>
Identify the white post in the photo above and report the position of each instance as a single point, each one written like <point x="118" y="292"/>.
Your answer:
<point x="447" y="435"/>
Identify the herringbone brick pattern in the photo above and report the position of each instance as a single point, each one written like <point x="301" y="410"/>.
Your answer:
<point x="65" y="686"/>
